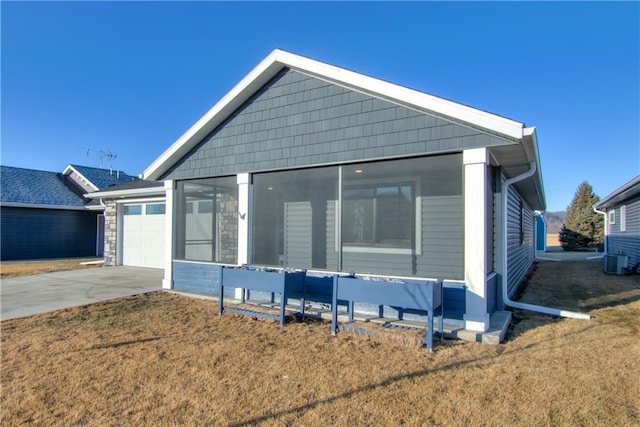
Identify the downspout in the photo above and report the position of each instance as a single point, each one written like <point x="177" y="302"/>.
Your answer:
<point x="505" y="285"/>
<point x="605" y="227"/>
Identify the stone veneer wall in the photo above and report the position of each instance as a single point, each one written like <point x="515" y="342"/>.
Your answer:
<point x="228" y="228"/>
<point x="110" y="233"/>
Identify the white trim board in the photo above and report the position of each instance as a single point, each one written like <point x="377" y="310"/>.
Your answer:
<point x="44" y="206"/>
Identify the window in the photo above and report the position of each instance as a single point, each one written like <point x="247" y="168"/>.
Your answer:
<point x="623" y="218"/>
<point x="379" y="216"/>
<point x="205" y="206"/>
<point x="294" y="218"/>
<point x="132" y="210"/>
<point x="402" y="217"/>
<point x="207" y="220"/>
<point x="155" y="209"/>
<point x="612" y="216"/>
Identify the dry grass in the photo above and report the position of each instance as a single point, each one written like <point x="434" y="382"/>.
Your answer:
<point x="162" y="359"/>
<point x="553" y="240"/>
<point x="27" y="268"/>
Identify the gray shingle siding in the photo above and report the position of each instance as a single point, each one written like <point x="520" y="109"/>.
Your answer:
<point x="297" y="120"/>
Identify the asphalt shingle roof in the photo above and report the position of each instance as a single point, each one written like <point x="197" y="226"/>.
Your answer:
<point x="29" y="186"/>
<point x="104" y="178"/>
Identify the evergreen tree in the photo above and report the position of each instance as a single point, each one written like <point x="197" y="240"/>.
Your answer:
<point x="582" y="229"/>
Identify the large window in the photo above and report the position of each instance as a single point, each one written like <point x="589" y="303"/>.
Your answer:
<point x="379" y="215"/>
<point x="294" y="218"/>
<point x="207" y="212"/>
<point x="401" y="217"/>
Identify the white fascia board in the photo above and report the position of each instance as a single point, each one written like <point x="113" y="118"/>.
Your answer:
<point x="42" y="206"/>
<point x="152" y="191"/>
<point x="150" y="200"/>
<point x="257" y="77"/>
<point x="70" y="169"/>
<point x="530" y="143"/>
<point x="278" y="59"/>
<point x="94" y="208"/>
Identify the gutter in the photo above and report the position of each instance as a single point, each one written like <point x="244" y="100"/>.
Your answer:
<point x="605" y="226"/>
<point x="505" y="283"/>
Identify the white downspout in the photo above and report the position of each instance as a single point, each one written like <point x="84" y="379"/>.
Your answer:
<point x="605" y="227"/>
<point x="505" y="282"/>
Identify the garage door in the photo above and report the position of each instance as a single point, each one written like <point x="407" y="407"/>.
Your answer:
<point x="143" y="235"/>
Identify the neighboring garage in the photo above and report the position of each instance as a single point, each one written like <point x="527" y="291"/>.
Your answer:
<point x="134" y="224"/>
<point x="45" y="214"/>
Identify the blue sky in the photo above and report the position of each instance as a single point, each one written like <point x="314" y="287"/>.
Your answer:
<point x="130" y="78"/>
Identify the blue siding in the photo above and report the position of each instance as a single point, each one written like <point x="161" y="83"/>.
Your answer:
<point x="297" y="120"/>
<point x="198" y="277"/>
<point x="29" y="233"/>
<point x="454" y="302"/>
<point x="541" y="234"/>
<point x="205" y="279"/>
<point x="492" y="294"/>
<point x="626" y="242"/>
<point x="520" y="252"/>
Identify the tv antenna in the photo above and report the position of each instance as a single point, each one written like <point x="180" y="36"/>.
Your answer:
<point x="102" y="155"/>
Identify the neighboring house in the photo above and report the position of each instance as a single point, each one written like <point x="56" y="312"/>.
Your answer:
<point x="621" y="211"/>
<point x="541" y="233"/>
<point x="134" y="223"/>
<point x="44" y="214"/>
<point x="307" y="165"/>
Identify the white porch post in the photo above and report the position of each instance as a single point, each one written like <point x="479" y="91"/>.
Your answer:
<point x="167" y="281"/>
<point x="244" y="216"/>
<point x="476" y="317"/>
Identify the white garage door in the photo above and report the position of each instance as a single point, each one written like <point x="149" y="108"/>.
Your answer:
<point x="143" y="235"/>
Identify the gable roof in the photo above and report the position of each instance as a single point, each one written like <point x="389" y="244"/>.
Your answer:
<point x="278" y="60"/>
<point x="99" y="179"/>
<point x="618" y="196"/>
<point x="515" y="156"/>
<point x="20" y="187"/>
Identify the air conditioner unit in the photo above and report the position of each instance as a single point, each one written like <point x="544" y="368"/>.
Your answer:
<point x="615" y="264"/>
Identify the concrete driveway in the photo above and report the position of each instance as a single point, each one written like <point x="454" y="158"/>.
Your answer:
<point x="24" y="296"/>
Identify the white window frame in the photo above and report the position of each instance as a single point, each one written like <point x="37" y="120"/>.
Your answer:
<point x="612" y="216"/>
<point x="623" y="218"/>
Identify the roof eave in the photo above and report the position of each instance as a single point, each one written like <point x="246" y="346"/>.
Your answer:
<point x="622" y="193"/>
<point x="530" y="140"/>
<point x="277" y="60"/>
<point x="135" y="192"/>
<point x="42" y="206"/>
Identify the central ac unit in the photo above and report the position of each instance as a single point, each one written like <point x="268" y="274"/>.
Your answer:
<point x="615" y="264"/>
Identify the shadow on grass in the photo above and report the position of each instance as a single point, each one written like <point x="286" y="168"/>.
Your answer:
<point x="351" y="393"/>
<point x="544" y="346"/>
<point x="123" y="343"/>
<point x="611" y="302"/>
